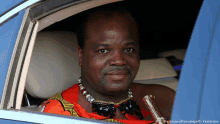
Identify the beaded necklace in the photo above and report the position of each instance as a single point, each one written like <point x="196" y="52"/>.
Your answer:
<point x="107" y="109"/>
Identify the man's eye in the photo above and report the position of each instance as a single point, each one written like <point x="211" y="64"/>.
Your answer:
<point x="103" y="51"/>
<point x="129" y="49"/>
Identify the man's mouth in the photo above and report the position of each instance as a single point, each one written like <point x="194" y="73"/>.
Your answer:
<point x="117" y="75"/>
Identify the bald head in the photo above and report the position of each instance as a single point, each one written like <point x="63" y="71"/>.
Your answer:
<point x="107" y="19"/>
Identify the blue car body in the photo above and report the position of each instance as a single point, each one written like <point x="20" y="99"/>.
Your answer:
<point x="197" y="97"/>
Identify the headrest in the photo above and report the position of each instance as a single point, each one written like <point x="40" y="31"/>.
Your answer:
<point x="54" y="64"/>
<point x="155" y="69"/>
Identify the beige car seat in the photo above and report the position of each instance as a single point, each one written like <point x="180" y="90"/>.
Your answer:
<point x="54" y="64"/>
<point x="157" y="71"/>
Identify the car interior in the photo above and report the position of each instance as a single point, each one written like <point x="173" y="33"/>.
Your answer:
<point x="165" y="32"/>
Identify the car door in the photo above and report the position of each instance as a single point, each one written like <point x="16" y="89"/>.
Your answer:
<point x="197" y="97"/>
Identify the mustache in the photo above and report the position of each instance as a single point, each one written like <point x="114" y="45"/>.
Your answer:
<point x="116" y="68"/>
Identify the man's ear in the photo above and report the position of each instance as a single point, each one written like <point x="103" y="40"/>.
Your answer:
<point x="80" y="55"/>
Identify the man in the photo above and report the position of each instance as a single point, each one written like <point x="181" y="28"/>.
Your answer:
<point x="109" y="58"/>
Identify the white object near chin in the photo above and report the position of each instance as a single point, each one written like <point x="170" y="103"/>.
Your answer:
<point x="149" y="101"/>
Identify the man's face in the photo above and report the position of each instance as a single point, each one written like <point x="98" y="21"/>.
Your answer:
<point x="110" y="58"/>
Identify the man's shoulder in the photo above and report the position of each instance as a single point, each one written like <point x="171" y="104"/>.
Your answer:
<point x="151" y="87"/>
<point x="159" y="91"/>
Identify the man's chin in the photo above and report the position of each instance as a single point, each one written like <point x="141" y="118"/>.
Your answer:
<point x="116" y="83"/>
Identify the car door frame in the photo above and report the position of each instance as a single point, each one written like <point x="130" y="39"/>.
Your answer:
<point x="16" y="63"/>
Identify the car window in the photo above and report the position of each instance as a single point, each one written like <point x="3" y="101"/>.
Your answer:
<point x="163" y="33"/>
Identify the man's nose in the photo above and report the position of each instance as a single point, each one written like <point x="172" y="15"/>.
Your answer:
<point x="118" y="59"/>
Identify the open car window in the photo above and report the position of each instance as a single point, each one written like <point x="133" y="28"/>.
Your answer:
<point x="62" y="26"/>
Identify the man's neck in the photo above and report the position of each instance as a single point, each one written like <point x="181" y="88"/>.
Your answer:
<point x="117" y="97"/>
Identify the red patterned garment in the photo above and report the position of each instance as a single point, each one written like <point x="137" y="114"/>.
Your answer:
<point x="66" y="104"/>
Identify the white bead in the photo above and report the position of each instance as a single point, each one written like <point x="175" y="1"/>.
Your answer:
<point x="130" y="96"/>
<point x="79" y="80"/>
<point x="84" y="92"/>
<point x="92" y="99"/>
<point x="81" y="87"/>
<point x="87" y="96"/>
